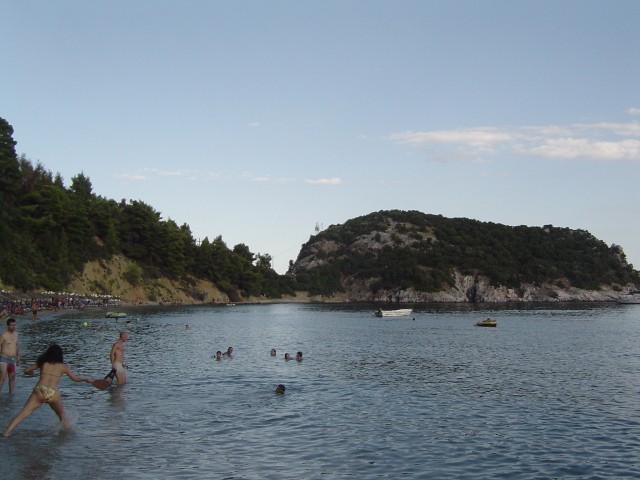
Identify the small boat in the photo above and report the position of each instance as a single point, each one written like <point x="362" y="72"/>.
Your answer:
<point x="402" y="312"/>
<point x="630" y="298"/>
<point x="116" y="315"/>
<point x="486" y="323"/>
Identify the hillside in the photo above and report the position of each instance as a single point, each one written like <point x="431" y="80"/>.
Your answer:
<point x="114" y="276"/>
<point x="60" y="238"/>
<point x="398" y="256"/>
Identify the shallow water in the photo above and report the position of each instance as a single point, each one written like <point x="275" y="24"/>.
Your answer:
<point x="552" y="392"/>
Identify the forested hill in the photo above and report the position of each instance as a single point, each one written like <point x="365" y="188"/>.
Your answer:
<point x="49" y="232"/>
<point x="395" y="251"/>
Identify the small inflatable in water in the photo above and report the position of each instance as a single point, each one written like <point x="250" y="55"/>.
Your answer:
<point x="486" y="323"/>
<point x="116" y="315"/>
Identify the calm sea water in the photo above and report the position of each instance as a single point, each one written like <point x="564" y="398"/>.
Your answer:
<point x="552" y="392"/>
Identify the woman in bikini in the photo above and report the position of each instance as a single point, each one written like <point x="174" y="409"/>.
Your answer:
<point x="52" y="367"/>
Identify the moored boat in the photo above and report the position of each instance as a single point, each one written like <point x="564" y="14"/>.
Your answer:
<point x="116" y="315"/>
<point x="486" y="323"/>
<point x="401" y="312"/>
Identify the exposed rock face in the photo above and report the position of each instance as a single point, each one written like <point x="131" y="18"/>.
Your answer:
<point x="469" y="289"/>
<point x="111" y="276"/>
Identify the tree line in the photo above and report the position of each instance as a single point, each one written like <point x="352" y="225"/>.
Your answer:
<point x="49" y="231"/>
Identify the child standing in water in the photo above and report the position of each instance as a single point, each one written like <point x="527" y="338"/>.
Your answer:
<point x="52" y="367"/>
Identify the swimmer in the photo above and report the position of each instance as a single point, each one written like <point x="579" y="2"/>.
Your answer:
<point x="52" y="367"/>
<point x="228" y="352"/>
<point x="273" y="352"/>
<point x="280" y="389"/>
<point x="218" y="355"/>
<point x="299" y="356"/>
<point x="287" y="356"/>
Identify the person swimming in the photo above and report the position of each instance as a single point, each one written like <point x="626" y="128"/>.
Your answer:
<point x="280" y="389"/>
<point x="218" y="355"/>
<point x="287" y="356"/>
<point x="299" y="356"/>
<point x="273" y="352"/>
<point x="228" y="352"/>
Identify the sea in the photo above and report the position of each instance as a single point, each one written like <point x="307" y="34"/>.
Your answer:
<point x="553" y="392"/>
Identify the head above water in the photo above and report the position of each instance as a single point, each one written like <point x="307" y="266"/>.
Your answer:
<point x="273" y="352"/>
<point x="11" y="322"/>
<point x="280" y="389"/>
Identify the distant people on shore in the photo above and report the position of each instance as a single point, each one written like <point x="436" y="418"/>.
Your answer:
<point x="9" y="354"/>
<point x="52" y="367"/>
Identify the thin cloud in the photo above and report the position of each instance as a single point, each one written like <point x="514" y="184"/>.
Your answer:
<point x="324" y="181"/>
<point x="483" y="138"/>
<point x="149" y="173"/>
<point x="633" y="111"/>
<point x="168" y="173"/>
<point x="604" y="141"/>
<point x="133" y="176"/>
<point x="252" y="177"/>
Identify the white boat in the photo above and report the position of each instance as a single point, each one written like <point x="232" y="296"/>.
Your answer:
<point x="629" y="298"/>
<point x="401" y="312"/>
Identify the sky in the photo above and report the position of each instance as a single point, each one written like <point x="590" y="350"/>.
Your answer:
<point x="258" y="120"/>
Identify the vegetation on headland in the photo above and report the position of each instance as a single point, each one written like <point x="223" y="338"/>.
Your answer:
<point x="413" y="250"/>
<point x="50" y="232"/>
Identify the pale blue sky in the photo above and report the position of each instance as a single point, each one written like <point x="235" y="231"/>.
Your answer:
<point x="254" y="120"/>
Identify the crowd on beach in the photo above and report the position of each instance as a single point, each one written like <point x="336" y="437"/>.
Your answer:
<point x="12" y="304"/>
<point x="52" y="368"/>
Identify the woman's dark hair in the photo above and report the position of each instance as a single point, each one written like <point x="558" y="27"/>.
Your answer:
<point x="52" y="355"/>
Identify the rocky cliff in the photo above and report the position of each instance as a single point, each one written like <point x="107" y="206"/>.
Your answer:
<point x="471" y="289"/>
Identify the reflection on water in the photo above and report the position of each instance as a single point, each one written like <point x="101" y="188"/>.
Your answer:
<point x="552" y="392"/>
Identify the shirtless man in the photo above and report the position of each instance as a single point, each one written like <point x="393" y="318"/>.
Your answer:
<point x="117" y="358"/>
<point x="9" y="354"/>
